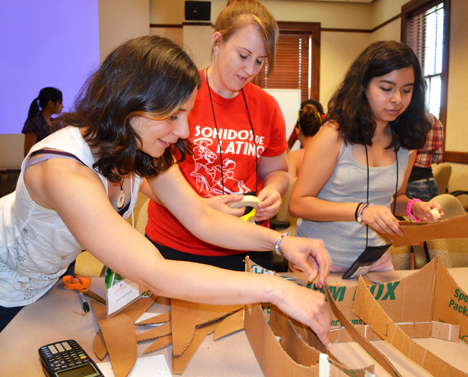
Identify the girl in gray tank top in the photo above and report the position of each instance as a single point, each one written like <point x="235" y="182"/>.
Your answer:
<point x="375" y="118"/>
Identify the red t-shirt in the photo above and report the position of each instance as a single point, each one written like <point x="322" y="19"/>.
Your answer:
<point x="203" y="170"/>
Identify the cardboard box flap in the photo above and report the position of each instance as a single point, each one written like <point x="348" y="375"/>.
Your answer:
<point x="395" y="297"/>
<point x="369" y="310"/>
<point x="417" y="232"/>
<point x="363" y="342"/>
<point x="398" y="298"/>
<point x="450" y="301"/>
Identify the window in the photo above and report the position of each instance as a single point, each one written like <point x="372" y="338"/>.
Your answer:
<point x="425" y="30"/>
<point x="297" y="60"/>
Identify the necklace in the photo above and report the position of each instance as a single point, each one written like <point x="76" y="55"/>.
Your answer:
<point x="219" y="140"/>
<point x="121" y="198"/>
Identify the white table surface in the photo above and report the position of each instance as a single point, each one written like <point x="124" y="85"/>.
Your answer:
<point x="55" y="317"/>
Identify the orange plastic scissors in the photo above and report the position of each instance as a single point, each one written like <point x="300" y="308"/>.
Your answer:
<point x="82" y="286"/>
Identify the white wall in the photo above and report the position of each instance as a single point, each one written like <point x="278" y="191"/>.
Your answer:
<point x="11" y="150"/>
<point x="120" y="20"/>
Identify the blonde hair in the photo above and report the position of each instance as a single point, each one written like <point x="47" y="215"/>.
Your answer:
<point x="241" y="13"/>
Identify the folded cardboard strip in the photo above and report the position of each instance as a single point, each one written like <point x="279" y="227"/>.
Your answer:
<point x="301" y="352"/>
<point x="426" y="304"/>
<point x="417" y="232"/>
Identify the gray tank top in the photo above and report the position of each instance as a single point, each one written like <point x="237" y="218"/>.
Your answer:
<point x="346" y="240"/>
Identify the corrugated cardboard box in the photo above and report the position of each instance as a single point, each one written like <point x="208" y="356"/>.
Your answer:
<point x="427" y="303"/>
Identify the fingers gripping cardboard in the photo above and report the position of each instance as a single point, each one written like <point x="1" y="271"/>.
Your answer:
<point x="417" y="232"/>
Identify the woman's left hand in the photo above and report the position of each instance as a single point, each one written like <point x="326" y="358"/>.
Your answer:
<point x="270" y="203"/>
<point x="422" y="210"/>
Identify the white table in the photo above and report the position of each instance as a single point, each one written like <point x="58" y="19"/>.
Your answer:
<point x="55" y="317"/>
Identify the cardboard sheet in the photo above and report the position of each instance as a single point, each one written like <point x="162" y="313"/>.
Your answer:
<point x="183" y="322"/>
<point x="418" y="232"/>
<point x="446" y="299"/>
<point x="119" y="335"/>
<point x="230" y="324"/>
<point x="159" y="344"/>
<point x="157" y="319"/>
<point x="179" y="363"/>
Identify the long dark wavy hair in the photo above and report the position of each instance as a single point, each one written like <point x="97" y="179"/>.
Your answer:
<point x="149" y="76"/>
<point x="350" y="108"/>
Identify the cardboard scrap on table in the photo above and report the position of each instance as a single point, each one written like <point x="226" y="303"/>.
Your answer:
<point x="418" y="232"/>
<point x="180" y="362"/>
<point x="133" y="311"/>
<point x="183" y="322"/>
<point x="426" y="304"/>
<point x="184" y="326"/>
<point x="118" y="333"/>
<point x="230" y="324"/>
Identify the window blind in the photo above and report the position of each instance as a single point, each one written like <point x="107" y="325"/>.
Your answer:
<point x="293" y="65"/>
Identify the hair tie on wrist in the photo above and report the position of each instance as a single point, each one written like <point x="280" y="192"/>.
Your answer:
<point x="356" y="212"/>
<point x="277" y="244"/>
<point x="409" y="209"/>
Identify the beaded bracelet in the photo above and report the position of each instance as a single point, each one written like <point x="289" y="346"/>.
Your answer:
<point x="409" y="209"/>
<point x="361" y="213"/>
<point x="277" y="250"/>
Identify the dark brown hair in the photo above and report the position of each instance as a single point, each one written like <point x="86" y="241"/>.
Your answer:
<point x="149" y="76"/>
<point x="350" y="108"/>
<point x="310" y="120"/>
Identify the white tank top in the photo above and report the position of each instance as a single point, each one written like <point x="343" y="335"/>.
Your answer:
<point x="35" y="245"/>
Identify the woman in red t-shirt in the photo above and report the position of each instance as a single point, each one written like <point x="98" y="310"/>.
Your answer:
<point x="238" y="134"/>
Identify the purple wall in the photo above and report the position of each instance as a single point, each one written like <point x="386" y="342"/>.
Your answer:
<point x="44" y="43"/>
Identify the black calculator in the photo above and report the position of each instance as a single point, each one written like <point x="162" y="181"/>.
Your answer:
<point x="67" y="359"/>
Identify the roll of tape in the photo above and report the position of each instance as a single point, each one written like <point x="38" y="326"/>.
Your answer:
<point x="435" y="214"/>
<point x="247" y="201"/>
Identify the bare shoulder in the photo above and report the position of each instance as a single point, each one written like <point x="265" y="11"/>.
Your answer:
<point x="49" y="179"/>
<point x="331" y="129"/>
<point x="327" y="138"/>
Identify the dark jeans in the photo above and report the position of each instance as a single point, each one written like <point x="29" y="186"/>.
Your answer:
<point x="7" y="314"/>
<point x="229" y="262"/>
<point x="424" y="189"/>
